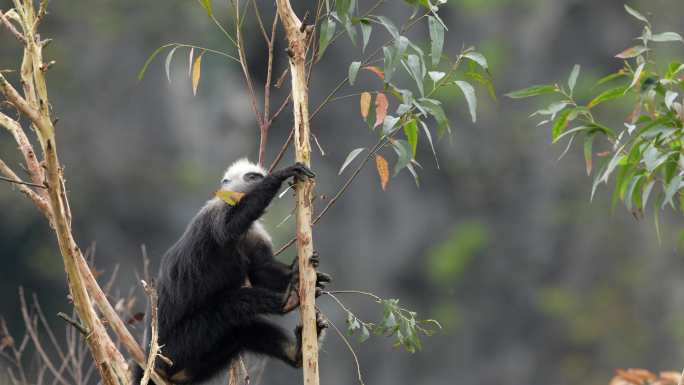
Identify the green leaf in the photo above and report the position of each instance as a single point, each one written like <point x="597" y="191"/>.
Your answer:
<point x="436" y="76"/>
<point x="365" y="334"/>
<point x="630" y="197"/>
<point x="350" y="158"/>
<point x="560" y="124"/>
<point x="607" y="95"/>
<point x="351" y="30"/>
<point x="610" y="77"/>
<point x="403" y="150"/>
<point x="435" y="109"/>
<point x="671" y="190"/>
<point x="366" y="30"/>
<point x="343" y="8"/>
<point x="572" y="80"/>
<point x="636" y="14"/>
<point x="469" y="93"/>
<point x="353" y="71"/>
<point x="477" y="58"/>
<point x="432" y="145"/>
<point x="391" y="28"/>
<point x="411" y="132"/>
<point x="167" y="63"/>
<point x="415" y="68"/>
<point x="326" y="34"/>
<point x="436" y="38"/>
<point x="667" y="36"/>
<point x="533" y="91"/>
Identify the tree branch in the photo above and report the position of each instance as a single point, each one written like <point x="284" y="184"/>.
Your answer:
<point x="297" y="36"/>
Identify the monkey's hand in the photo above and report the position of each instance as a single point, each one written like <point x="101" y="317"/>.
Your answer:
<point x="296" y="171"/>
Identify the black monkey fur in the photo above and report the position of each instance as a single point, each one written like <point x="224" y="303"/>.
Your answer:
<point x="220" y="278"/>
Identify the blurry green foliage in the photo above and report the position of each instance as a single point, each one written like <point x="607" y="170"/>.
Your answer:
<point x="448" y="261"/>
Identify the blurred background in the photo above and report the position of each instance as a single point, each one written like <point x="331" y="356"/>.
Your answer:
<point x="533" y="283"/>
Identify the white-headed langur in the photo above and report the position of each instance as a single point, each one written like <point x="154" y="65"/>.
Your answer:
<point x="217" y="283"/>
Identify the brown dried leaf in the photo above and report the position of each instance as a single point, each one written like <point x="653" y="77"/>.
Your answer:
<point x="381" y="106"/>
<point x="196" y="73"/>
<point x="365" y="104"/>
<point x="376" y="71"/>
<point x="636" y="376"/>
<point x="383" y="170"/>
<point x="670" y="378"/>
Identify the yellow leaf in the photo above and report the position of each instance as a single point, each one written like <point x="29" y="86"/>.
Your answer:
<point x="230" y="197"/>
<point x="365" y="104"/>
<point x="196" y="72"/>
<point x="381" y="105"/>
<point x="383" y="170"/>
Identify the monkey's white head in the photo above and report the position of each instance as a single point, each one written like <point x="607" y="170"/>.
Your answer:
<point x="242" y="175"/>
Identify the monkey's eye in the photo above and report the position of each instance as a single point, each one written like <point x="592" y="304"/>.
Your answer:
<point x="225" y="181"/>
<point x="253" y="176"/>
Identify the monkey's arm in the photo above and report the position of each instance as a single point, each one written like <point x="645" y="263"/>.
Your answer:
<point x="252" y="206"/>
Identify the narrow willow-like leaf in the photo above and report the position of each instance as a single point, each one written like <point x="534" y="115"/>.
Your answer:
<point x="607" y="95"/>
<point x="350" y="158"/>
<point x="588" y="155"/>
<point x="632" y="52"/>
<point x="533" y="91"/>
<point x="167" y="63"/>
<point x="383" y="170"/>
<point x="326" y="34"/>
<point x="366" y="30"/>
<point x="353" y="71"/>
<point x="469" y="93"/>
<point x="436" y="38"/>
<point x="667" y="36"/>
<point x="636" y="14"/>
<point x="416" y="71"/>
<point x="411" y="132"/>
<point x="196" y="73"/>
<point x="365" y="104"/>
<point x="381" y="106"/>
<point x="572" y="80"/>
<point x="432" y="145"/>
<point x="560" y="124"/>
<point x="477" y="58"/>
<point x="389" y="25"/>
<point x="403" y="150"/>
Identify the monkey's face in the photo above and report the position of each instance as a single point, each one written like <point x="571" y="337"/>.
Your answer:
<point x="241" y="176"/>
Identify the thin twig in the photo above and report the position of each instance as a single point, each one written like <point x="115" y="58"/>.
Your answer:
<point x="77" y="325"/>
<point x="342" y="190"/>
<point x="351" y="350"/>
<point x="11" y="28"/>
<point x="282" y="151"/>
<point x="34" y="337"/>
<point x="10" y="180"/>
<point x="154" y="342"/>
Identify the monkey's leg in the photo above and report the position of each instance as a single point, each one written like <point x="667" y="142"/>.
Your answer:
<point x="263" y="337"/>
<point x="207" y="338"/>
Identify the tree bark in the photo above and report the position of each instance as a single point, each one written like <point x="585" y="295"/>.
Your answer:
<point x="297" y="42"/>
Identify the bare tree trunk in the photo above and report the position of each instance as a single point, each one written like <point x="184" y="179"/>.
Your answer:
<point x="297" y="36"/>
